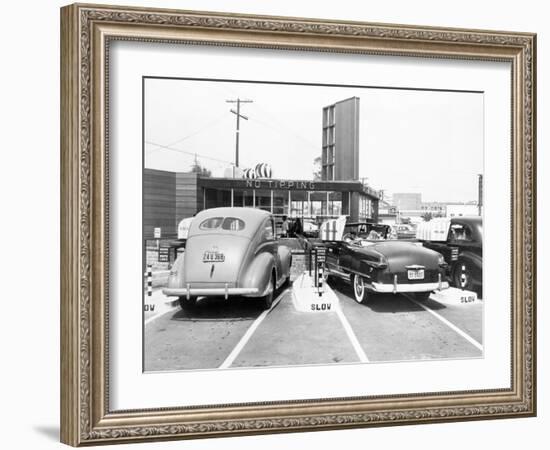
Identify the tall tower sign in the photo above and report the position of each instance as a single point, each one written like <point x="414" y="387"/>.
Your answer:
<point x="340" y="155"/>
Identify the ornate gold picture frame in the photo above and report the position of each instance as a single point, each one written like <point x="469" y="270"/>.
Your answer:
<point x="87" y="31"/>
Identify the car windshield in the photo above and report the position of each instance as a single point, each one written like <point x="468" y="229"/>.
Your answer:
<point x="371" y="232"/>
<point x="363" y="242"/>
<point x="225" y="223"/>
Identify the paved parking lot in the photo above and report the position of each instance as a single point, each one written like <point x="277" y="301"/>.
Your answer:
<point x="236" y="333"/>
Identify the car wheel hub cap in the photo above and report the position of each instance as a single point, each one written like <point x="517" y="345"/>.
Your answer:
<point x="358" y="285"/>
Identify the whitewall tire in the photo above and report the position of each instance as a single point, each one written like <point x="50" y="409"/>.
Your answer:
<point x="359" y="289"/>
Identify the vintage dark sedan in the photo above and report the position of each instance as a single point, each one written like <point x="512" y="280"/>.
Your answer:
<point x="230" y="252"/>
<point x="361" y="254"/>
<point x="460" y="241"/>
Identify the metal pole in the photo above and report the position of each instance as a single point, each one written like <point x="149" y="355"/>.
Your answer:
<point x="479" y="193"/>
<point x="149" y="280"/>
<point x="316" y="279"/>
<point x="237" y="132"/>
<point x="289" y="204"/>
<point x="320" y="278"/>
<point x="238" y="101"/>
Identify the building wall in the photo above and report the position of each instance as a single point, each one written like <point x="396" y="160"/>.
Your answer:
<point x="436" y="208"/>
<point x="159" y="203"/>
<point x="467" y="209"/>
<point x="407" y="201"/>
<point x="188" y="196"/>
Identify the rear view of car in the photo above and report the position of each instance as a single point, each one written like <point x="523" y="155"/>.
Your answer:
<point x="363" y="254"/>
<point x="229" y="252"/>
<point x="216" y="260"/>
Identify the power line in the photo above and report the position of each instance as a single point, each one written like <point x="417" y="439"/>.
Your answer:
<point x="199" y="131"/>
<point x="285" y="133"/>
<point x="286" y="129"/>
<point x="177" y="150"/>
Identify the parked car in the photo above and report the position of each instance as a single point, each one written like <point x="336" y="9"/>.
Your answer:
<point x="361" y="254"/>
<point x="460" y="241"/>
<point x="230" y="252"/>
<point x="183" y="231"/>
<point x="404" y="231"/>
<point x="311" y="230"/>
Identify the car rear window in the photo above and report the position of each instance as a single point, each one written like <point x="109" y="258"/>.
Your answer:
<point x="211" y="223"/>
<point x="233" y="224"/>
<point x="226" y="223"/>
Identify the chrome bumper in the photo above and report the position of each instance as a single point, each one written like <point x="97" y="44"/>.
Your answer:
<point x="197" y="292"/>
<point x="409" y="287"/>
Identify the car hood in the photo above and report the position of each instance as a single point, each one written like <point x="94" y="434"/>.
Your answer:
<point x="233" y="248"/>
<point x="399" y="255"/>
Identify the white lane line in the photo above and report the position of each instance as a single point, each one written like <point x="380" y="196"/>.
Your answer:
<point x="150" y="319"/>
<point x="351" y="336"/>
<point x="240" y="345"/>
<point x="452" y="326"/>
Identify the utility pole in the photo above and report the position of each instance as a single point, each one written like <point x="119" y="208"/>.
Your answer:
<point x="479" y="193"/>
<point x="238" y="101"/>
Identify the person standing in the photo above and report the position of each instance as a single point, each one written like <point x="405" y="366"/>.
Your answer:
<point x="284" y="227"/>
<point x="298" y="231"/>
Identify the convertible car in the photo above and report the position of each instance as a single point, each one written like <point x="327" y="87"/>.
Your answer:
<point x="362" y="254"/>
<point x="230" y="252"/>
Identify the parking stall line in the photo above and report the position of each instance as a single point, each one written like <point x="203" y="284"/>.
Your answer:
<point x="246" y="337"/>
<point x="156" y="316"/>
<point x="453" y="327"/>
<point x="351" y="336"/>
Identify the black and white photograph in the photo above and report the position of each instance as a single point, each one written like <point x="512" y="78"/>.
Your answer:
<point x="291" y="224"/>
<point x="243" y="224"/>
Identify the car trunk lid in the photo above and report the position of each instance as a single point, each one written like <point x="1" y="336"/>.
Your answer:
<point x="214" y="260"/>
<point x="403" y="257"/>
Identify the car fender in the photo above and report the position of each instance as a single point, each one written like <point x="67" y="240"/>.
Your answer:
<point x="474" y="260"/>
<point x="285" y="256"/>
<point x="258" y="273"/>
<point x="175" y="277"/>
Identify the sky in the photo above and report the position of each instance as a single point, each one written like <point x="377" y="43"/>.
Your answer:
<point x="410" y="141"/>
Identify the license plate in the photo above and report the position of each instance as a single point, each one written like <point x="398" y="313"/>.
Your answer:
<point x="210" y="257"/>
<point x="417" y="274"/>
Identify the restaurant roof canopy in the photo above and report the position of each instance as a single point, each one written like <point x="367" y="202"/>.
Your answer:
<point x="288" y="185"/>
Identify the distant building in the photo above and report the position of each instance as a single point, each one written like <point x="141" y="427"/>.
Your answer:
<point x="340" y="153"/>
<point x="462" y="209"/>
<point x="411" y="206"/>
<point x="407" y="201"/>
<point x="387" y="213"/>
<point x="437" y="209"/>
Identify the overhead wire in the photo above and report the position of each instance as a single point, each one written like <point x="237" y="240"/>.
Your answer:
<point x="194" y="133"/>
<point x="177" y="150"/>
<point x="283" y="127"/>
